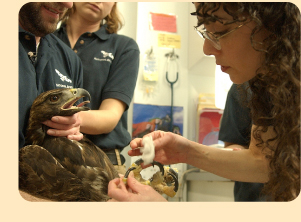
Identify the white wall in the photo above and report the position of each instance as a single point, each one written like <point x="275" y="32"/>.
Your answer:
<point x="129" y="13"/>
<point x="196" y="71"/>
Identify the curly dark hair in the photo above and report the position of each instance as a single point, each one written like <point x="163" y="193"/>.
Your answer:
<point x="113" y="20"/>
<point x="275" y="89"/>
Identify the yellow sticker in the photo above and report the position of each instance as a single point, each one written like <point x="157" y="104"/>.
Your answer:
<point x="169" y="41"/>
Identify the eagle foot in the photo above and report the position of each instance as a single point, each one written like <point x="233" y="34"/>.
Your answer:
<point x="164" y="181"/>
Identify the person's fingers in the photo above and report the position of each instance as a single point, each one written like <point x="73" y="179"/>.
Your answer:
<point x="135" y="143"/>
<point x="71" y="131"/>
<point x="134" y="185"/>
<point x="58" y="132"/>
<point x="142" y="192"/>
<point x="77" y="137"/>
<point x="156" y="134"/>
<point x="65" y="119"/>
<point x="117" y="183"/>
<point x="55" y="125"/>
<point x="134" y="152"/>
<point x="114" y="183"/>
<point x="117" y="190"/>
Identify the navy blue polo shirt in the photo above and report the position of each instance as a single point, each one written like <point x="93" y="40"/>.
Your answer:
<point x="235" y="128"/>
<point x="236" y="121"/>
<point x="111" y="64"/>
<point x="55" y="66"/>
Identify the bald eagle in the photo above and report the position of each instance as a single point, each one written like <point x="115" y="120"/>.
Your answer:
<point x="57" y="168"/>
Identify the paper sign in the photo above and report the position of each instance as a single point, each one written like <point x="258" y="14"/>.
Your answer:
<point x="163" y="22"/>
<point x="169" y="41"/>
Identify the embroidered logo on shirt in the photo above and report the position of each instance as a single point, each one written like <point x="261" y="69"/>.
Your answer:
<point x="107" y="54"/>
<point x="62" y="77"/>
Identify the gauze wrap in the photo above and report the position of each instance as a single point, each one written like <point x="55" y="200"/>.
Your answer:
<point x="148" y="150"/>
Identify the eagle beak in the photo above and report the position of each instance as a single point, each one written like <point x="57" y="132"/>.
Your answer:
<point x="80" y="93"/>
<point x="77" y="93"/>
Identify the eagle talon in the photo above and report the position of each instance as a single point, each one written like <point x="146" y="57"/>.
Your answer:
<point x="128" y="172"/>
<point x="161" y="167"/>
<point x="138" y="162"/>
<point x="175" y="180"/>
<point x="165" y="181"/>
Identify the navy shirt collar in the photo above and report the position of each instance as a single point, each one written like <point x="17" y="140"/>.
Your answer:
<point x="102" y="33"/>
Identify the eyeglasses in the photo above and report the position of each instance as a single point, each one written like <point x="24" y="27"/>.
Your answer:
<point x="212" y="38"/>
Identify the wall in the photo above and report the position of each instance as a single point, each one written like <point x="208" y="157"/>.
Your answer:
<point x="196" y="74"/>
<point x="129" y="13"/>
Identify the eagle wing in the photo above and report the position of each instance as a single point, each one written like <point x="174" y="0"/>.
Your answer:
<point x="41" y="175"/>
<point x="83" y="159"/>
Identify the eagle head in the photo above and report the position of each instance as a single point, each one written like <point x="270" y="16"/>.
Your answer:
<point x="56" y="102"/>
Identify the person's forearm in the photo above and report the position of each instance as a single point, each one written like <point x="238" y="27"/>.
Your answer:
<point x="234" y="146"/>
<point x="235" y="165"/>
<point x="98" y="121"/>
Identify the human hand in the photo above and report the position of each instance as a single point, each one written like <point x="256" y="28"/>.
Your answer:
<point x="170" y="148"/>
<point x="68" y="126"/>
<point x="132" y="192"/>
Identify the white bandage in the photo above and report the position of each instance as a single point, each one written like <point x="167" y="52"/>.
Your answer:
<point x="148" y="150"/>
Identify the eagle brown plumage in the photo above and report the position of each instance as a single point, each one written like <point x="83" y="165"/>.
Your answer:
<point x="57" y="168"/>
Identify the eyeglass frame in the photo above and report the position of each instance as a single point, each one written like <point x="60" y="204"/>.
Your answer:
<point x="216" y="39"/>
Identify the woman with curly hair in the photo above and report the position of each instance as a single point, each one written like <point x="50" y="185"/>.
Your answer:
<point x="258" y="43"/>
<point x="110" y="63"/>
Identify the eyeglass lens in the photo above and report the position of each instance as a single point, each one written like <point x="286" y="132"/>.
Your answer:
<point x="208" y="36"/>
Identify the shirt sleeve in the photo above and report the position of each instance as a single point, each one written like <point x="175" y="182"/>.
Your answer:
<point x="123" y="74"/>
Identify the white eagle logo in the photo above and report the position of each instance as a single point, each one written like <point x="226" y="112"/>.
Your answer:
<point x="62" y="77"/>
<point x="107" y="54"/>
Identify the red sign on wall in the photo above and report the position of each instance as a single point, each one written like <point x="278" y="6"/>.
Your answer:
<point x="162" y="22"/>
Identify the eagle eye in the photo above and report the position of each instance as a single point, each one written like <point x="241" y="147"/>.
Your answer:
<point x="54" y="98"/>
